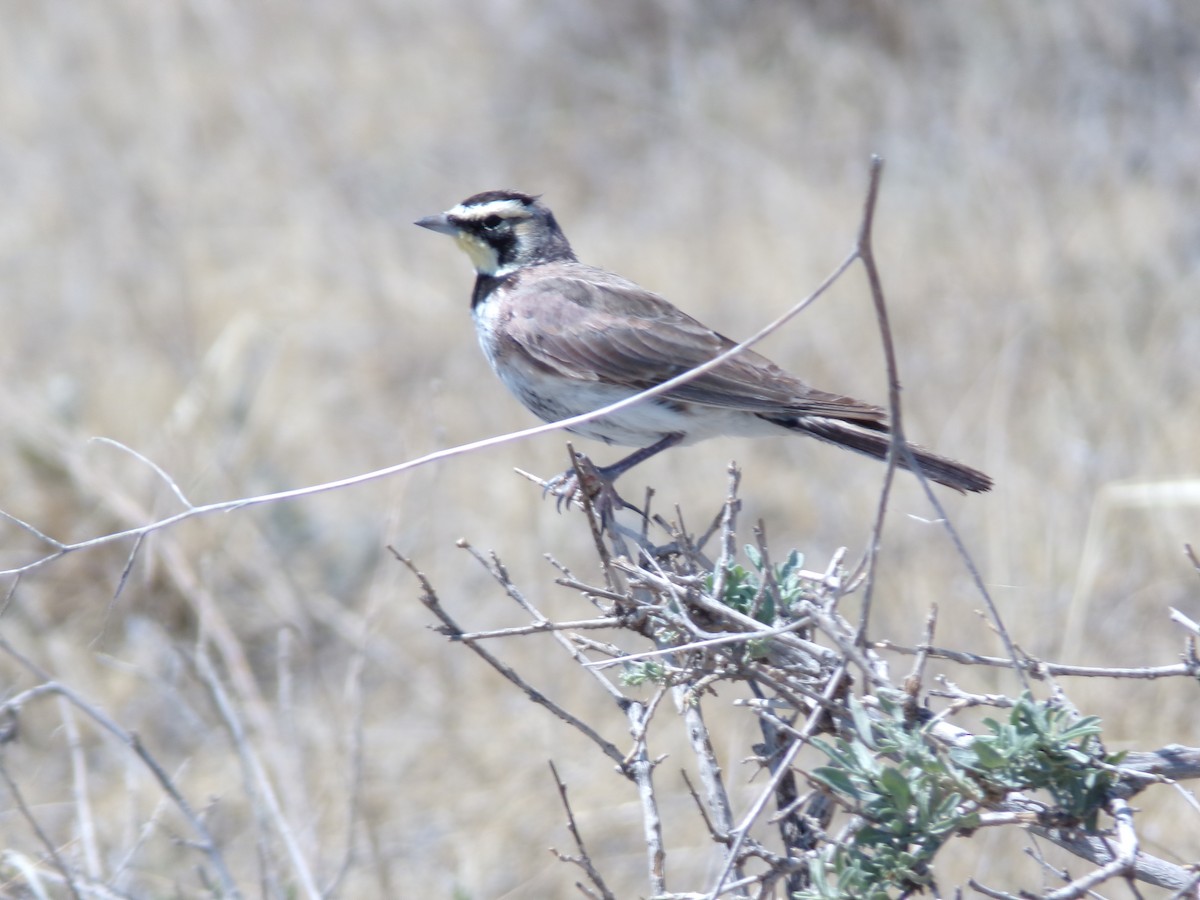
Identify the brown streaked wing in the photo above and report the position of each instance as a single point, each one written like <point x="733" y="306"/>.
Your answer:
<point x="595" y="326"/>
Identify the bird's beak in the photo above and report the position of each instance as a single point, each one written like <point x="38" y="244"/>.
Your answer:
<point x="440" y="223"/>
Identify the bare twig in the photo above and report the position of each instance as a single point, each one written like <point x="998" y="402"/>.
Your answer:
<point x="590" y="590"/>
<point x="497" y="571"/>
<point x="51" y="851"/>
<point x="912" y="684"/>
<point x="719" y="641"/>
<point x="740" y="833"/>
<point x="257" y="784"/>
<point x="640" y="768"/>
<point x="1186" y="621"/>
<point x="158" y="470"/>
<point x="988" y="892"/>
<point x="707" y="763"/>
<point x="864" y="251"/>
<point x="542" y="626"/>
<point x="1122" y="862"/>
<point x="79" y="790"/>
<point x="1190" y="553"/>
<point x="976" y="578"/>
<point x="1039" y="668"/>
<point x="121" y="582"/>
<point x="728" y="525"/>
<point x="585" y="470"/>
<point x="454" y="632"/>
<point x="792" y="828"/>
<point x="583" y="860"/>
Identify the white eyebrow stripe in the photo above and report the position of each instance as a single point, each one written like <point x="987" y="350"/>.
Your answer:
<point x="506" y="209"/>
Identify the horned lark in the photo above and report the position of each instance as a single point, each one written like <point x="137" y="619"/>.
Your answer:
<point x="568" y="338"/>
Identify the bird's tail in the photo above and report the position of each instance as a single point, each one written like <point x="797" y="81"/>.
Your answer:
<point x="875" y="441"/>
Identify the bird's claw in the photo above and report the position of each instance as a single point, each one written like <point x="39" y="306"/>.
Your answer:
<point x="585" y="484"/>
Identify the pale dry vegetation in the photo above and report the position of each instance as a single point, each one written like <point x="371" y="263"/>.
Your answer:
<point x="205" y="253"/>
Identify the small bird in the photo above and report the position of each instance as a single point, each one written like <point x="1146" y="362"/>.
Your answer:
<point x="568" y="338"/>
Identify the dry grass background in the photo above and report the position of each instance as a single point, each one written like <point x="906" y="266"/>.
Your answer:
<point x="205" y="253"/>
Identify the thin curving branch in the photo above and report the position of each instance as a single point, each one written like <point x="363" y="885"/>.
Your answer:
<point x="60" y="549"/>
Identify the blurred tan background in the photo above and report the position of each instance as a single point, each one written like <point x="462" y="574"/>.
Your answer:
<point x="206" y="254"/>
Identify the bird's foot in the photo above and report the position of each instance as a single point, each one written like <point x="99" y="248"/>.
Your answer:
<point x="583" y="485"/>
<point x="586" y="484"/>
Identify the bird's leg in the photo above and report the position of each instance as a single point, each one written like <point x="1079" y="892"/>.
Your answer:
<point x="619" y="468"/>
<point x="598" y="481"/>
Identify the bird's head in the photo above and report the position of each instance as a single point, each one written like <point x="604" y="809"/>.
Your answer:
<point x="502" y="231"/>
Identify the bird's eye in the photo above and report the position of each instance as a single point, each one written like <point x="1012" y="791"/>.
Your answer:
<point x="492" y="221"/>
